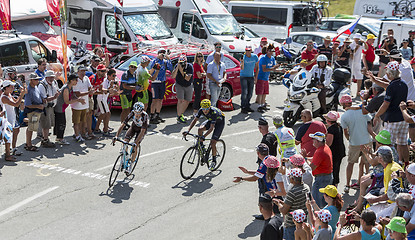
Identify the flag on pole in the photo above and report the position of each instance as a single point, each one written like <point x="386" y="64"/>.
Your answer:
<point x="289" y="29"/>
<point x="53" y="8"/>
<point x="121" y="2"/>
<point x="64" y="24"/>
<point x="347" y="29"/>
<point x="5" y="14"/>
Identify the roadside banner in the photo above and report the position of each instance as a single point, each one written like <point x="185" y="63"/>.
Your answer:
<point x="64" y="24"/>
<point x="53" y="8"/>
<point x="5" y="14"/>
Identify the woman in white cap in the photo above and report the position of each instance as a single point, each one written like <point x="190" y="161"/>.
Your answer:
<point x="9" y="103"/>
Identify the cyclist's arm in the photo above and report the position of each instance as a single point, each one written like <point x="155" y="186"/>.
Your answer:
<point x="120" y="130"/>
<point x="192" y="124"/>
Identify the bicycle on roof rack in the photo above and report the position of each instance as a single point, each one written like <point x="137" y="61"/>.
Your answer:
<point x="314" y="12"/>
<point x="403" y="8"/>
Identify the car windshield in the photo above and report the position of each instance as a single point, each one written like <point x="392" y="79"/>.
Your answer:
<point x="137" y="58"/>
<point x="149" y="24"/>
<point x="221" y="24"/>
<point x="249" y="33"/>
<point x="373" y="26"/>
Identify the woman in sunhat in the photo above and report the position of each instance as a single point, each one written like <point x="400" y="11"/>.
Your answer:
<point x="397" y="229"/>
<point x="334" y="140"/>
<point x="334" y="204"/>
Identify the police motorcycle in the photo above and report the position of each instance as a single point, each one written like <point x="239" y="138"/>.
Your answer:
<point x="303" y="94"/>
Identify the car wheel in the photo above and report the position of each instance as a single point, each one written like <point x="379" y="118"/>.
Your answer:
<point x="225" y="93"/>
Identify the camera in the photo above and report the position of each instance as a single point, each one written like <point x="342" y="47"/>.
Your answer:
<point x="157" y="66"/>
<point x="360" y="42"/>
<point x="183" y="64"/>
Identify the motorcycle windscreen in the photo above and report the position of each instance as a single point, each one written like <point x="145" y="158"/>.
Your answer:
<point x="302" y="79"/>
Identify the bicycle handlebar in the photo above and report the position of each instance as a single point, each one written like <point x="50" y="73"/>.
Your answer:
<point x="194" y="135"/>
<point x="124" y="142"/>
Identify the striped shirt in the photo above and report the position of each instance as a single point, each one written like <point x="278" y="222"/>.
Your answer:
<point x="296" y="198"/>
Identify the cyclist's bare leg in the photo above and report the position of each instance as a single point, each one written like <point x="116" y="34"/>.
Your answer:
<point x="213" y="146"/>
<point x="200" y="131"/>
<point x="134" y="154"/>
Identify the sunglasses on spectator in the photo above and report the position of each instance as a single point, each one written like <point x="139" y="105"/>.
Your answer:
<point x="133" y="67"/>
<point x="218" y="46"/>
<point x="102" y="70"/>
<point x="199" y="56"/>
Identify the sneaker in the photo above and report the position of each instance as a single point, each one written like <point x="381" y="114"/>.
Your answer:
<point x="16" y="152"/>
<point x="159" y="118"/>
<point x="107" y="134"/>
<point x="355" y="186"/>
<point x="154" y="121"/>
<point x="97" y="131"/>
<point x="62" y="142"/>
<point x="47" y="144"/>
<point x="183" y="118"/>
<point x="80" y="139"/>
<point x="180" y="120"/>
<point x="244" y="110"/>
<point x="346" y="189"/>
<point x="261" y="109"/>
<point x="249" y="109"/>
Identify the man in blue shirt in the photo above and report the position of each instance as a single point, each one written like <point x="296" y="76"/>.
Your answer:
<point x="248" y="76"/>
<point x="158" y="86"/>
<point x="41" y="68"/>
<point x="267" y="64"/>
<point x="34" y="108"/>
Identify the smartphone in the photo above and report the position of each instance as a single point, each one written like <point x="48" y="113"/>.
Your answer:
<point x="309" y="196"/>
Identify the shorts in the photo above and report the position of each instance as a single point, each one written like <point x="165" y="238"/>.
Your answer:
<point x="398" y="131"/>
<point x="103" y="106"/>
<point x="91" y="104"/>
<point x="142" y="96"/>
<point x="79" y="116"/>
<point x="355" y="153"/>
<point x="217" y="132"/>
<point x="132" y="132"/>
<point x="158" y="90"/>
<point x="126" y="101"/>
<point x="356" y="71"/>
<point x="262" y="87"/>
<point x="34" y="119"/>
<point x="185" y="93"/>
<point x="47" y="121"/>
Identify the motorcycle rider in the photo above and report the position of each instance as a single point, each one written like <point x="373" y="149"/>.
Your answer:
<point x="321" y="73"/>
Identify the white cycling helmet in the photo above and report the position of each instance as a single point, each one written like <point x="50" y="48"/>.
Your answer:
<point x="322" y="58"/>
<point x="138" y="107"/>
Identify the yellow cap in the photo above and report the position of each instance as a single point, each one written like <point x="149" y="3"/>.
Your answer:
<point x="330" y="190"/>
<point x="371" y="36"/>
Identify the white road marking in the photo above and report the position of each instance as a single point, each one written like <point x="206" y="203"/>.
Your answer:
<point x="145" y="155"/>
<point x="240" y="133"/>
<point x="239" y="149"/>
<point x="26" y="201"/>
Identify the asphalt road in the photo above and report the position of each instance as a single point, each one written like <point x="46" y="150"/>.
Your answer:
<point x="63" y="193"/>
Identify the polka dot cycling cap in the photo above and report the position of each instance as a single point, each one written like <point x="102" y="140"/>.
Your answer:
<point x="324" y="215"/>
<point x="299" y="215"/>
<point x="394" y="65"/>
<point x="296" y="172"/>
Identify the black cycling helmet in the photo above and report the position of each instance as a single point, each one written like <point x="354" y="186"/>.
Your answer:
<point x="341" y="75"/>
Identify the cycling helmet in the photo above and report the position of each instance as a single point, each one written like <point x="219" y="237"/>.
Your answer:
<point x="205" y="104"/>
<point x="138" y="107"/>
<point x="322" y="58"/>
<point x="10" y="70"/>
<point x="341" y="75"/>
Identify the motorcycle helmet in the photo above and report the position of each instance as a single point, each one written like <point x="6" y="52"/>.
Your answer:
<point x="341" y="75"/>
<point x="322" y="58"/>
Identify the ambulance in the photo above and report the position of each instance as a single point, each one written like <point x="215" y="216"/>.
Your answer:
<point x="205" y="21"/>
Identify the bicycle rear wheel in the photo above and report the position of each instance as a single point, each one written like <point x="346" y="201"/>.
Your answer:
<point x="190" y="163"/>
<point x="116" y="169"/>
<point x="220" y="155"/>
<point x="135" y="161"/>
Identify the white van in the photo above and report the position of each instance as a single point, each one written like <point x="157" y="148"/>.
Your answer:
<point x="382" y="8"/>
<point x="204" y="21"/>
<point x="269" y="19"/>
<point x="138" y="23"/>
<point x="400" y="29"/>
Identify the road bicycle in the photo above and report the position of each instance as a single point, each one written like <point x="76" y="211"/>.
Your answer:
<point x="403" y="8"/>
<point x="314" y="12"/>
<point x="123" y="162"/>
<point x="197" y="155"/>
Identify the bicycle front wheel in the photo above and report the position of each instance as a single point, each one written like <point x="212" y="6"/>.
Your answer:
<point x="117" y="168"/>
<point x="190" y="163"/>
<point x="135" y="161"/>
<point x="220" y="155"/>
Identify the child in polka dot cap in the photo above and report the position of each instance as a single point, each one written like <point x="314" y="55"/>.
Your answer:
<point x="300" y="219"/>
<point x="322" y="224"/>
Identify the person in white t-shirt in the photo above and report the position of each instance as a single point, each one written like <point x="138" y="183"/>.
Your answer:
<point x="102" y="101"/>
<point x="79" y="111"/>
<point x="356" y="62"/>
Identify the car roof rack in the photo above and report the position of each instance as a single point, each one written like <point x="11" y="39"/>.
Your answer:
<point x="10" y="32"/>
